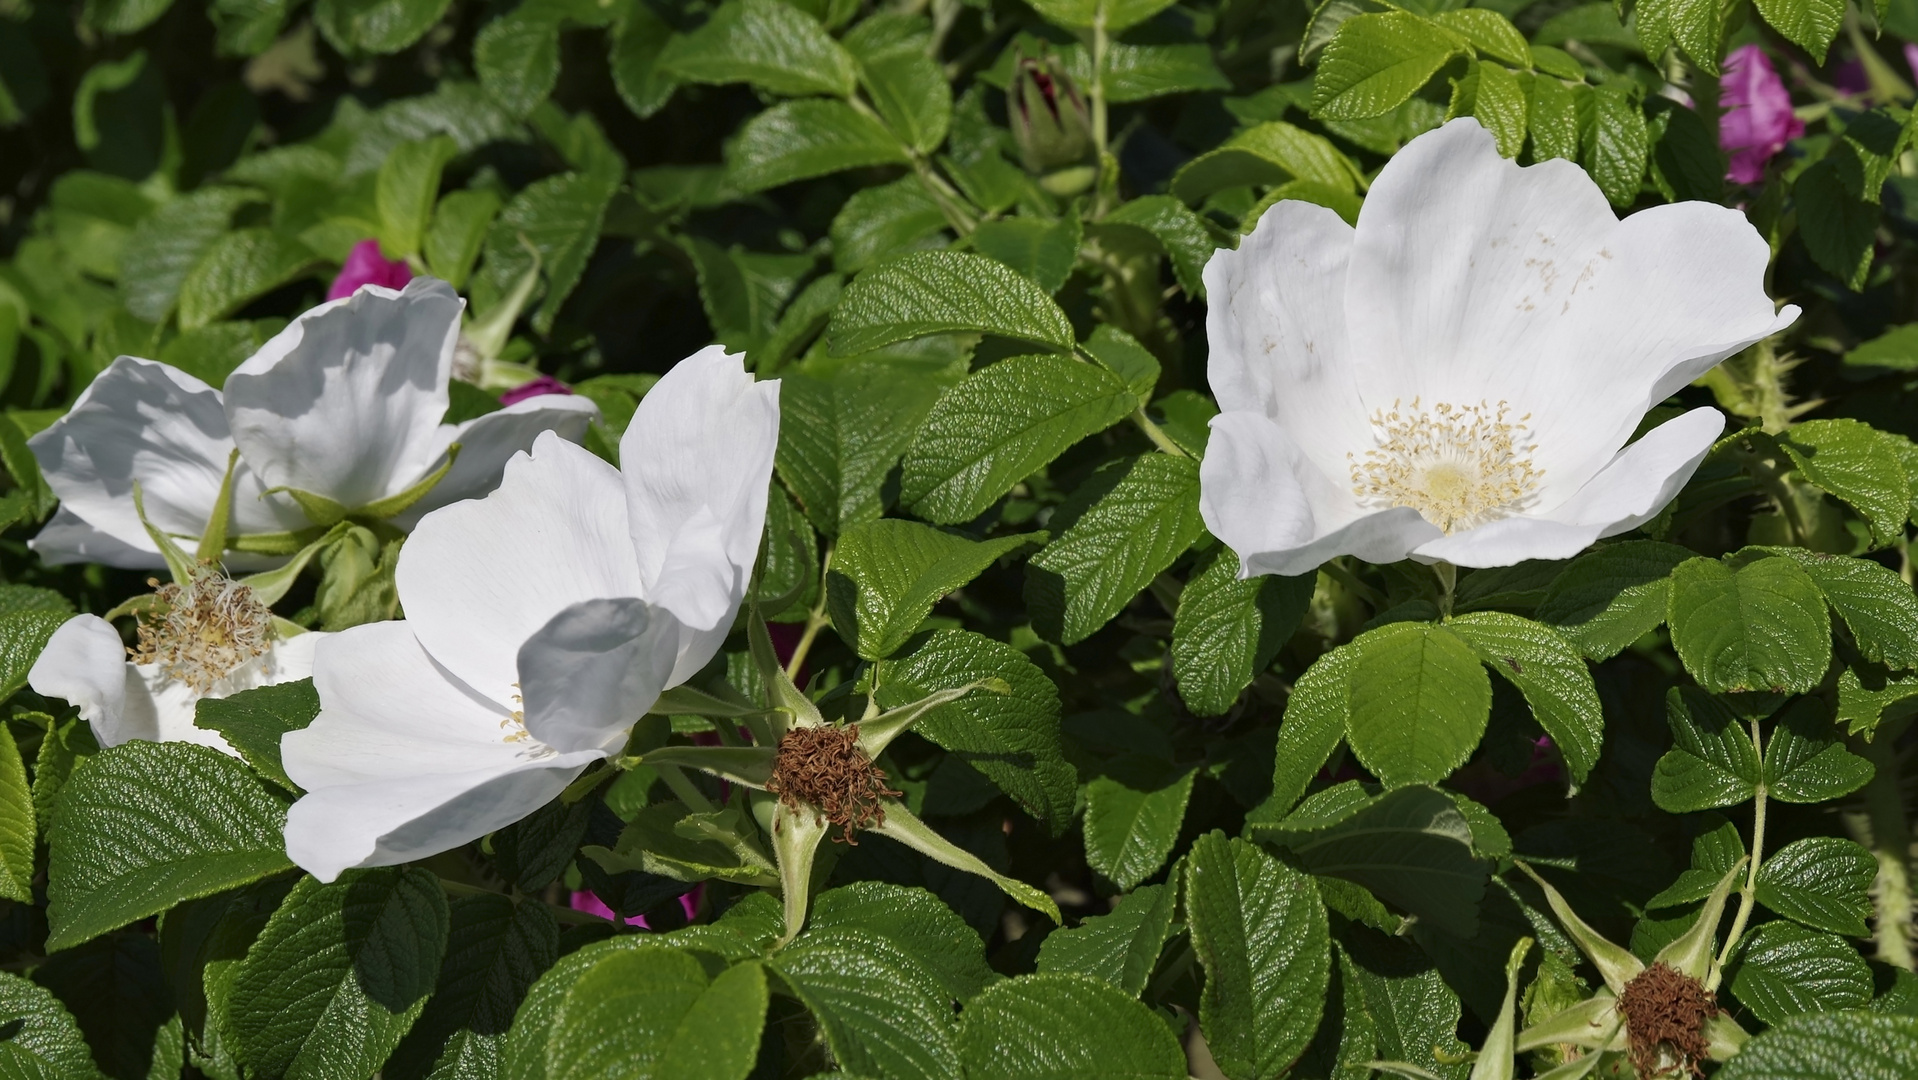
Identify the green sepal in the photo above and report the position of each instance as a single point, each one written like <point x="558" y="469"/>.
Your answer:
<point x="691" y="701"/>
<point x="1495" y="1056"/>
<point x="796" y="836"/>
<point x="1691" y="952"/>
<point x="1616" y="964"/>
<point x="784" y="698"/>
<point x="876" y="733"/>
<point x="1592" y="1024"/>
<point x="751" y="766"/>
<point x="213" y="540"/>
<point x="327" y="512"/>
<point x="271" y="585"/>
<point x="901" y="825"/>
<point x="177" y="562"/>
<point x="278" y="543"/>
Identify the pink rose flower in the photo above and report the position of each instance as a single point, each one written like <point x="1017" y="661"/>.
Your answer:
<point x="545" y="384"/>
<point x="1758" y="121"/>
<point x="366" y="266"/>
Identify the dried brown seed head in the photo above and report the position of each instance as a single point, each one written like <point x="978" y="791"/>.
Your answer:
<point x="1665" y="1014"/>
<point x="200" y="632"/>
<point x="823" y="769"/>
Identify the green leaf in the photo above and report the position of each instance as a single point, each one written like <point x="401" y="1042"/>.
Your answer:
<point x="1080" y="14"/>
<point x="1552" y="676"/>
<point x="1782" y="970"/>
<point x="144" y="826"/>
<point x="1829" y="1046"/>
<point x="1711" y="763"/>
<point x="1611" y="597"/>
<point x="1809" y="23"/>
<point x="459" y="227"/>
<point x="770" y="44"/>
<point x="376" y="26"/>
<point x="639" y="38"/>
<point x="167" y="244"/>
<point x="1143" y="72"/>
<point x="1411" y="847"/>
<point x="117" y="992"/>
<point x="1822" y="882"/>
<point x="495" y="948"/>
<point x="916" y="921"/>
<point x="121" y="17"/>
<point x="881" y="1013"/>
<point x="43" y="1041"/>
<point x="1554" y="119"/>
<point x="1041" y="250"/>
<point x="340" y="973"/>
<point x="909" y="89"/>
<point x="1617" y="143"/>
<point x="1120" y="353"/>
<point x="1269" y="154"/>
<point x="1375" y="62"/>
<point x="18" y="828"/>
<point x="1315" y="717"/>
<point x="1260" y="933"/>
<point x="936" y="292"/>
<point x="887" y="575"/>
<point x="1145" y="515"/>
<point x="252" y="722"/>
<point x="1491" y="94"/>
<point x="1805" y="762"/>
<point x="798" y="140"/>
<point x="1227" y="630"/>
<point x="743" y="291"/>
<point x="1065" y="1027"/>
<point x="1416" y="1015"/>
<point x="560" y="216"/>
<point x="1697" y="26"/>
<point x="656" y="1013"/>
<point x="1000" y="426"/>
<point x="843" y="435"/>
<point x="1760" y="627"/>
<point x="883" y="222"/>
<point x="239" y="267"/>
<point x="1012" y="738"/>
<point x="1133" y="812"/>
<point x="407" y="188"/>
<point x="1419" y="702"/>
<point x="1875" y="603"/>
<point x="1180" y="232"/>
<point x="23" y="636"/>
<point x="1122" y="947"/>
<point x="1837" y="224"/>
<point x="1859" y="465"/>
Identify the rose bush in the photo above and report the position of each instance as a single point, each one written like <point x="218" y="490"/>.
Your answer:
<point x="957" y="539"/>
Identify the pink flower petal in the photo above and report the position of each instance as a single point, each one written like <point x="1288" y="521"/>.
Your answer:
<point x="1757" y="120"/>
<point x="366" y="266"/>
<point x="545" y="384"/>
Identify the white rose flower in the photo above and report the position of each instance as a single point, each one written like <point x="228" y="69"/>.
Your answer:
<point x="211" y="638"/>
<point x="344" y="404"/>
<point x="1456" y="378"/>
<point x="542" y="621"/>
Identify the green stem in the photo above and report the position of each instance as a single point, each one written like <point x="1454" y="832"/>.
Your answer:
<point x="1448" y="586"/>
<point x="816" y="621"/>
<point x="1353" y="585"/>
<point x="1156" y="433"/>
<point x="1891" y="844"/>
<point x="1748" y="895"/>
<point x="1099" y="82"/>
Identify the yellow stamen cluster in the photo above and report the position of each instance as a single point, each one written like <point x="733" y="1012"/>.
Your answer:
<point x="515" y="725"/>
<point x="1459" y="466"/>
<point x="201" y="632"/>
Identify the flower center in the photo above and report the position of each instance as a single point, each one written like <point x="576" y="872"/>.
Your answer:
<point x="824" y="769"/>
<point x="1665" y="1014"/>
<point x="200" y="632"/>
<point x="1459" y="466"/>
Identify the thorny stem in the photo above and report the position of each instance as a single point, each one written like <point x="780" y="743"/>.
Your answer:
<point x="1891" y="844"/>
<point x="816" y="621"/>
<point x="1748" y="895"/>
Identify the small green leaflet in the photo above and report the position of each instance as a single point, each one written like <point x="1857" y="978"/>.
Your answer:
<point x="1134" y="808"/>
<point x="1091" y="1029"/>
<point x="1122" y="947"/>
<point x="1712" y="762"/>
<point x="887" y="575"/>
<point x="935" y="292"/>
<point x="1419" y="701"/>
<point x="1759" y="627"/>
